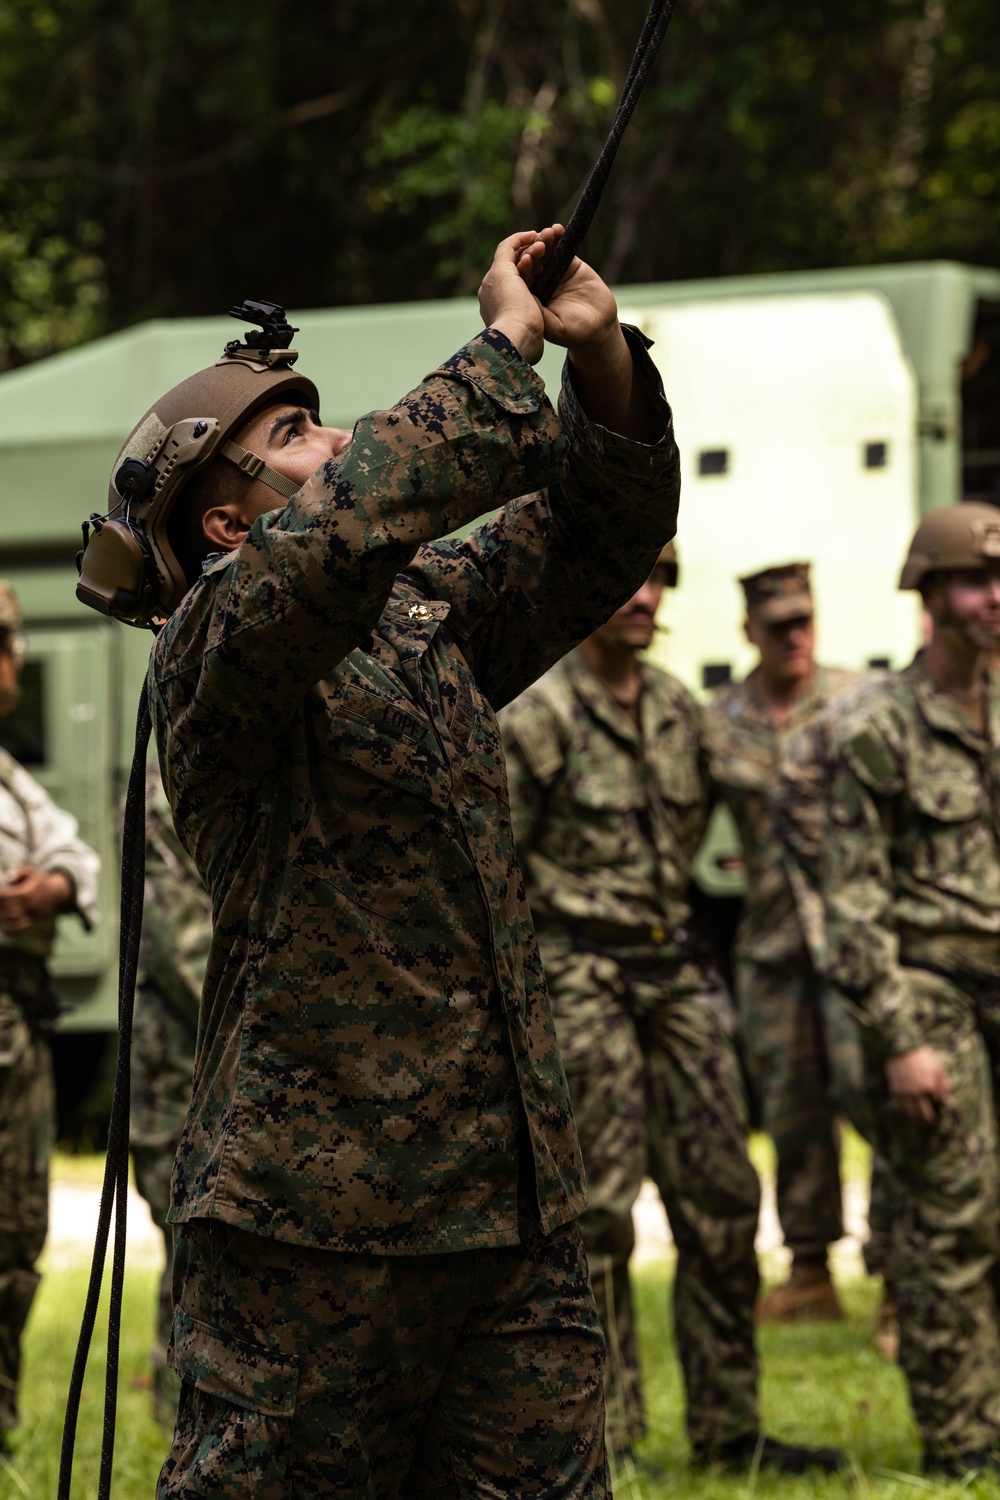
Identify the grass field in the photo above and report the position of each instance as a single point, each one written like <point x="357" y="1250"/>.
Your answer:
<point x="820" y="1383"/>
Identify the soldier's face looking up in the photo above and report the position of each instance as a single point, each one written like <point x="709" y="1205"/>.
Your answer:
<point x="632" y="626"/>
<point x="965" y="603"/>
<point x="10" y="673"/>
<point x="292" y="440"/>
<point x="786" y="647"/>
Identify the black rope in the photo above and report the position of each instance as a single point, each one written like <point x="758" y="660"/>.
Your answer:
<point x="557" y="262"/>
<point x="114" y="1191"/>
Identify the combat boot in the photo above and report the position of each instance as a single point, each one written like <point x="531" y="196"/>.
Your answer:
<point x="757" y="1450"/>
<point x="965" y="1466"/>
<point x="808" y="1295"/>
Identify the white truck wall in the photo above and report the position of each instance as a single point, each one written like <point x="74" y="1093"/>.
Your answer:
<point x="794" y="389"/>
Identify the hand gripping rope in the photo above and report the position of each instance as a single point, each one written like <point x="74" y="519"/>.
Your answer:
<point x="115" y="1187"/>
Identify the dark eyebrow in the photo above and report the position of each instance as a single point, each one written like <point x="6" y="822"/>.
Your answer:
<point x="287" y="419"/>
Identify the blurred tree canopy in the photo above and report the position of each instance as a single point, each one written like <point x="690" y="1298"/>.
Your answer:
<point x="162" y="158"/>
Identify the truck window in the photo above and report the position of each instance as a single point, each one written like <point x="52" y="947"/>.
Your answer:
<point x="981" y="408"/>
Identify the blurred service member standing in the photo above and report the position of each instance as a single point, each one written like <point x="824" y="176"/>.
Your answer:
<point x="45" y="869"/>
<point x="609" y="795"/>
<point x="778" y="990"/>
<point x="176" y="938"/>
<point x="912" y="909"/>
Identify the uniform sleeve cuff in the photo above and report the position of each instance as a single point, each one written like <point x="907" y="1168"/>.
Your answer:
<point x="492" y="363"/>
<point x="597" y="442"/>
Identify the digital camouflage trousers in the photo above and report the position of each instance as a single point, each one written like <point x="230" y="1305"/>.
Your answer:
<point x="27" y="1128"/>
<point x="946" y="1224"/>
<point x="311" y="1373"/>
<point x="656" y="1088"/>
<point x="805" y="1060"/>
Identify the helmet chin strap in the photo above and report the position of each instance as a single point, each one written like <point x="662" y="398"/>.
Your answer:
<point x="249" y="463"/>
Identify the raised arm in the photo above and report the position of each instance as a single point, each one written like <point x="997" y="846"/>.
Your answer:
<point x="550" y="568"/>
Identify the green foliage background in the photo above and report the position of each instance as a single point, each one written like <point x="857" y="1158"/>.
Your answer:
<point x="159" y="158"/>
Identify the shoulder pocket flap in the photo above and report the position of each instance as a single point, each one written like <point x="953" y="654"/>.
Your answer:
<point x="245" y="1375"/>
<point x="592" y="789"/>
<point x="872" y="762"/>
<point x="948" y="798"/>
<point x="679" y="782"/>
<point x="540" y="746"/>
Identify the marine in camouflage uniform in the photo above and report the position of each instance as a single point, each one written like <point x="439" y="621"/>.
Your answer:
<point x="801" y="802"/>
<point x="778" y="989"/>
<point x="913" y="934"/>
<point x="379" y="1111"/>
<point x="176" y="935"/>
<point x="610" y="798"/>
<point x="45" y="868"/>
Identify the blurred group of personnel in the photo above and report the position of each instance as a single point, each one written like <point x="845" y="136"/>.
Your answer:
<point x="866" y="975"/>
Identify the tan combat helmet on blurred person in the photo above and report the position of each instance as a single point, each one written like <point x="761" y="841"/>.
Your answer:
<point x="956" y="536"/>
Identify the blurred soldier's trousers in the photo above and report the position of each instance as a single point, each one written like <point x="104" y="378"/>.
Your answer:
<point x="946" y="1225"/>
<point x="27" y="1129"/>
<point x="805" y="1060"/>
<point x="311" y="1373"/>
<point x="163" y="1045"/>
<point x="656" y="1087"/>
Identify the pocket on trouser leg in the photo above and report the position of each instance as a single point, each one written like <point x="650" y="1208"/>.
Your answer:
<point x="233" y="1435"/>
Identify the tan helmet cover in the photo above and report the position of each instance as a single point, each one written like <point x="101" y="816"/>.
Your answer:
<point x="178" y="437"/>
<point x="956" y="536"/>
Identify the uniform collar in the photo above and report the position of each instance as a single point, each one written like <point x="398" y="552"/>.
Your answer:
<point x="656" y="709"/>
<point x="941" y="712"/>
<point x="806" y="704"/>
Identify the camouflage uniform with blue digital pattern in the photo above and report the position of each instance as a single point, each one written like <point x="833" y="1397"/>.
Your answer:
<point x="378" y="1097"/>
<point x="913" y="941"/>
<point x="608" y="818"/>
<point x="176" y="935"/>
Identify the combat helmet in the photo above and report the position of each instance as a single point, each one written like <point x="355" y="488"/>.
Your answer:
<point x="128" y="568"/>
<point x="956" y="536"/>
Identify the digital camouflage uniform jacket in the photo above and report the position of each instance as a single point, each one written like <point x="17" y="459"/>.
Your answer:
<point x="376" y="1041"/>
<point x="801" y="805"/>
<point x="913" y="864"/>
<point x="745" y="748"/>
<point x="608" y="820"/>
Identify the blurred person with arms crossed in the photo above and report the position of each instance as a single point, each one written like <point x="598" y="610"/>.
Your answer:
<point x="45" y="870"/>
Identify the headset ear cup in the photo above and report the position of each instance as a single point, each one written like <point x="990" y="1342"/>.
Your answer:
<point x="117" y="573"/>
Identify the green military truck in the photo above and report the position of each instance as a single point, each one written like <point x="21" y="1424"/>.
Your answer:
<point x="818" y="414"/>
